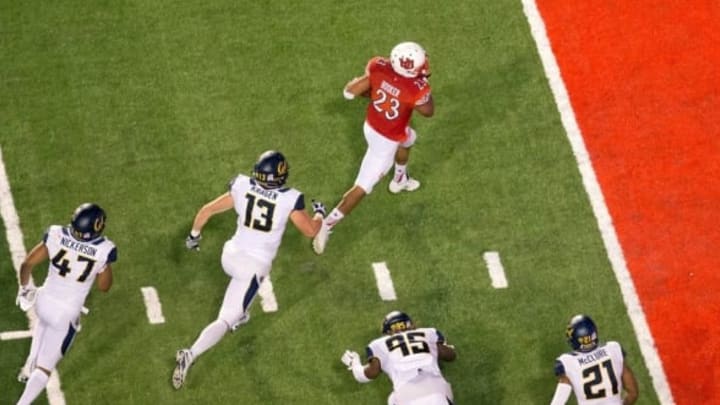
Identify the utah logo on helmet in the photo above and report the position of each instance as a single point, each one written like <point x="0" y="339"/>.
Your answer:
<point x="408" y="59"/>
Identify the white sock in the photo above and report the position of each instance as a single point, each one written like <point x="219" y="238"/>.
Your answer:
<point x="34" y="386"/>
<point x="209" y="337"/>
<point x="334" y="217"/>
<point x="400" y="171"/>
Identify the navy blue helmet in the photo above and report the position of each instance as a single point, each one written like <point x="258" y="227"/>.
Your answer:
<point x="395" y="322"/>
<point x="271" y="169"/>
<point x="582" y="334"/>
<point x="88" y="221"/>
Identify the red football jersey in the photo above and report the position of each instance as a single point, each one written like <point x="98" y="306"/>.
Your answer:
<point x="393" y="98"/>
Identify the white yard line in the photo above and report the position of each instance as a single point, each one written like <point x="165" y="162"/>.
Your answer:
<point x="153" y="308"/>
<point x="495" y="269"/>
<point x="384" y="281"/>
<point x="17" y="252"/>
<point x="15" y="334"/>
<point x="604" y="221"/>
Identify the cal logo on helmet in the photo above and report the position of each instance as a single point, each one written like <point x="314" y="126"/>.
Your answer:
<point x="88" y="221"/>
<point x="271" y="169"/>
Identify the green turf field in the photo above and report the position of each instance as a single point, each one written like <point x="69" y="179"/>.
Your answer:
<point x="150" y="107"/>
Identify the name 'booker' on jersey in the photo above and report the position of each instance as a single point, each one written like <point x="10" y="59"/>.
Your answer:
<point x="74" y="264"/>
<point x="262" y="216"/>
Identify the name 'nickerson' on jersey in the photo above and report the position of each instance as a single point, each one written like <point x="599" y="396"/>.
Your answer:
<point x="78" y="246"/>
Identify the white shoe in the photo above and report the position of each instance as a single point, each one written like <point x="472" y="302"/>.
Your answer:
<point x="23" y="375"/>
<point x="406" y="184"/>
<point x="183" y="359"/>
<point x="321" y="238"/>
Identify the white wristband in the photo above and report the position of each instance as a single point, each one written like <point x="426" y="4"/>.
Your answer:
<point x="194" y="233"/>
<point x="348" y="95"/>
<point x="358" y="371"/>
<point x="562" y="394"/>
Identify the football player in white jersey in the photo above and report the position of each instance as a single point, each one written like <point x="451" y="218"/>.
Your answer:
<point x="263" y="205"/>
<point x="409" y="356"/>
<point x="78" y="254"/>
<point x="596" y="372"/>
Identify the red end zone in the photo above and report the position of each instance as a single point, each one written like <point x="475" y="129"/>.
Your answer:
<point x="644" y="81"/>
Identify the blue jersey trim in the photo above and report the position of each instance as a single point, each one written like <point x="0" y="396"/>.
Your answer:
<point x="67" y="342"/>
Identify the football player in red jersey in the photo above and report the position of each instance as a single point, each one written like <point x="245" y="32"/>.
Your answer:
<point x="396" y="87"/>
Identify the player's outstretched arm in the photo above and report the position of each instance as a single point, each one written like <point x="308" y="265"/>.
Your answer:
<point x="105" y="279"/>
<point x="306" y="225"/>
<point x="362" y="373"/>
<point x="359" y="86"/>
<point x="426" y="109"/>
<point x="630" y="385"/>
<point x="446" y="352"/>
<point x="37" y="255"/>
<point x="562" y="391"/>
<point x="221" y="204"/>
<point x="27" y="291"/>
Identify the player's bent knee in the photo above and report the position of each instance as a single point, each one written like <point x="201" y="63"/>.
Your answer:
<point x="44" y="370"/>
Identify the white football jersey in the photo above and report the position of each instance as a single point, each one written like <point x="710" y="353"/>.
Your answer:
<point x="262" y="216"/>
<point x="596" y="376"/>
<point x="74" y="264"/>
<point x="405" y="355"/>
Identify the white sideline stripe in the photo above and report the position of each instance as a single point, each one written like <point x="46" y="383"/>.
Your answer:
<point x="495" y="269"/>
<point x="268" y="302"/>
<point x="153" y="308"/>
<point x="17" y="253"/>
<point x="602" y="215"/>
<point x="15" y="334"/>
<point x="384" y="281"/>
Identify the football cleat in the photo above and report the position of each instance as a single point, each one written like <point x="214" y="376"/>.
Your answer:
<point x="396" y="321"/>
<point x="408" y="59"/>
<point x="88" y="222"/>
<point x="582" y="334"/>
<point x="183" y="361"/>
<point x="27" y="368"/>
<point x="23" y="375"/>
<point x="271" y="169"/>
<point x="321" y="239"/>
<point x="406" y="184"/>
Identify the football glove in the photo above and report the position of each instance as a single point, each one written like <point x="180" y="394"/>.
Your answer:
<point x="26" y="297"/>
<point x="350" y="358"/>
<point x="319" y="208"/>
<point x="193" y="242"/>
